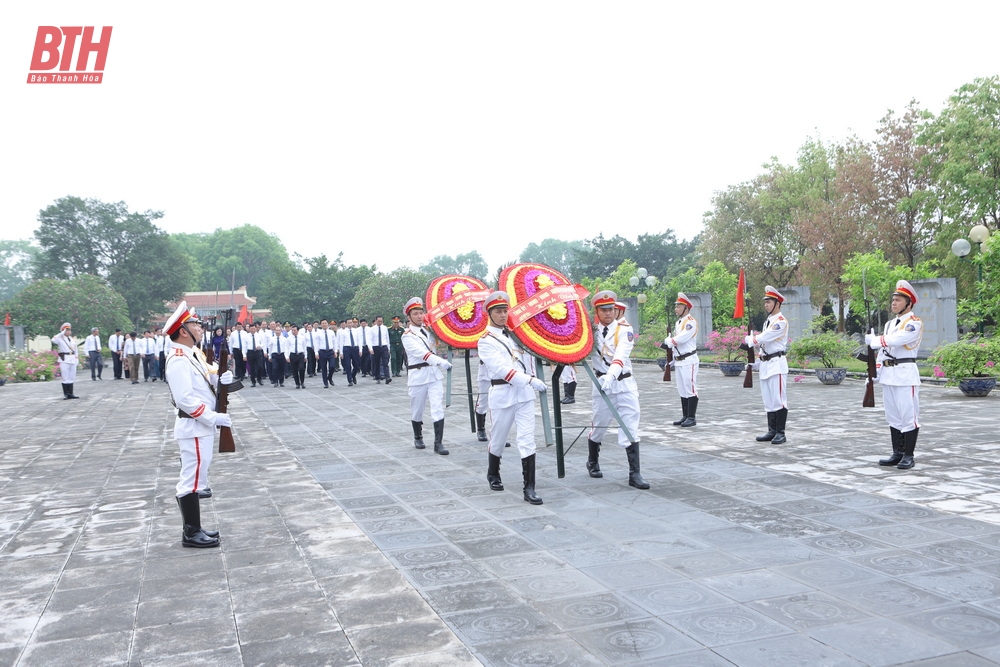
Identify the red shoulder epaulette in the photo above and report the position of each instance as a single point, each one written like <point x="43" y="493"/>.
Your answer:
<point x="178" y="352"/>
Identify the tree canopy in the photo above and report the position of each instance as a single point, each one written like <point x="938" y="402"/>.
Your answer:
<point x="386" y="294"/>
<point x="85" y="301"/>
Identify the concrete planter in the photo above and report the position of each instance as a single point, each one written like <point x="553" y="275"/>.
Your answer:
<point x="977" y="386"/>
<point x="732" y="368"/>
<point x="831" y="375"/>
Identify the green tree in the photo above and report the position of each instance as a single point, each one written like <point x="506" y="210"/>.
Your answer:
<point x="156" y="272"/>
<point x="662" y="255"/>
<point x="248" y="253"/>
<point x="964" y="145"/>
<point x="718" y="281"/>
<point x="79" y="236"/>
<point x="753" y="225"/>
<point x="468" y="264"/>
<point x="16" y="258"/>
<point x="386" y="294"/>
<point x="555" y="253"/>
<point x="873" y="271"/>
<point x="313" y="288"/>
<point x="85" y="301"/>
<point x="983" y="304"/>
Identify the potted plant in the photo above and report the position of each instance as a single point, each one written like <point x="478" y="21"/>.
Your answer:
<point x="829" y="348"/>
<point x="969" y="363"/>
<point x="727" y="345"/>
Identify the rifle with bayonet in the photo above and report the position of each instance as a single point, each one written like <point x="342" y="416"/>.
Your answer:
<point x="226" y="442"/>
<point x="869" y="354"/>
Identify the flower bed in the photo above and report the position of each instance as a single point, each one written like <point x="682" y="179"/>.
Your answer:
<point x="22" y="366"/>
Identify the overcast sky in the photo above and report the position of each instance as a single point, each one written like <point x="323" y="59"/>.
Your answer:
<point x="397" y="131"/>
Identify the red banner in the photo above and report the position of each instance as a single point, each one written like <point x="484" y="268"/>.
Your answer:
<point x="454" y="303"/>
<point x="543" y="300"/>
<point x="741" y="288"/>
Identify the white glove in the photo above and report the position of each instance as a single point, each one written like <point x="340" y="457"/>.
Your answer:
<point x="223" y="419"/>
<point x="445" y="365"/>
<point x="749" y="341"/>
<point x="673" y="364"/>
<point x="606" y="381"/>
<point x="226" y="378"/>
<point x="871" y="340"/>
<point x="538" y="385"/>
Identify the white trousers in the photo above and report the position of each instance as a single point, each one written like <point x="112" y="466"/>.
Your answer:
<point x="420" y="393"/>
<point x="522" y="417"/>
<point x="196" y="457"/>
<point x="68" y="372"/>
<point x="483" y="401"/>
<point x="627" y="405"/>
<point x="902" y="406"/>
<point x="687" y="379"/>
<point x="773" y="391"/>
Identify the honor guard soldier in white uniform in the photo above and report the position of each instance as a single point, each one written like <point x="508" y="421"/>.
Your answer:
<point x="568" y="378"/>
<point x="69" y="358"/>
<point x="771" y="345"/>
<point x="684" y="343"/>
<point x="896" y="366"/>
<point x="423" y="376"/>
<point x="613" y="366"/>
<point x="512" y="395"/>
<point x="192" y="384"/>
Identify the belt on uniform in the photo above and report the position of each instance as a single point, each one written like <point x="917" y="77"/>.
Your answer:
<point x="409" y="368"/>
<point x="623" y="376"/>
<point x="183" y="415"/>
<point x="896" y="362"/>
<point x="497" y="383"/>
<point x="768" y="357"/>
<point x="682" y="357"/>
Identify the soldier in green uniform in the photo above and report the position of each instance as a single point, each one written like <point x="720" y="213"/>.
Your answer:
<point x="396" y="346"/>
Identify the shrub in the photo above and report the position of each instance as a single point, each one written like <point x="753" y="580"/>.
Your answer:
<point x="21" y="366"/>
<point x="727" y="343"/>
<point x="971" y="356"/>
<point x="829" y="347"/>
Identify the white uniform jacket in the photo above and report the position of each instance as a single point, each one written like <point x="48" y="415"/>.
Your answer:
<point x="505" y="361"/>
<point x="419" y="345"/>
<point x="68" y="348"/>
<point x="900" y="339"/>
<point x="192" y="385"/>
<point x="684" y="341"/>
<point x="772" y="340"/>
<point x="612" y="354"/>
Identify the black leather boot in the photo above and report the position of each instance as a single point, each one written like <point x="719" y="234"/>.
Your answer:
<point x="593" y="467"/>
<point x="193" y="535"/>
<point x="779" y="426"/>
<point x="634" y="478"/>
<point x="69" y="391"/>
<point x="65" y="391"/>
<point x="481" y="428"/>
<point x="897" y="448"/>
<point x="909" y="444"/>
<point x="692" y="411"/>
<point x="418" y="434"/>
<point x="211" y="533"/>
<point x="684" y="412"/>
<point x="771" y="431"/>
<point x="570" y="389"/>
<point x="439" y="438"/>
<point x="493" y="473"/>
<point x="528" y="471"/>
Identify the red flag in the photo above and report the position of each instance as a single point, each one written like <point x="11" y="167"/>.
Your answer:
<point x="6" y="320"/>
<point x="741" y="288"/>
<point x="244" y="315"/>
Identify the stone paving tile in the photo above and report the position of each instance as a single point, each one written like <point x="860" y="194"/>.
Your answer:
<point x="377" y="553"/>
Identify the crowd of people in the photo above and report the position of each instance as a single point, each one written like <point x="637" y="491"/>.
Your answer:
<point x="182" y="354"/>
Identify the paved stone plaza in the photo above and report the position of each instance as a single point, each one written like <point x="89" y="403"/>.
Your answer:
<point x="344" y="545"/>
